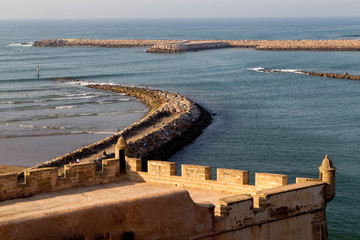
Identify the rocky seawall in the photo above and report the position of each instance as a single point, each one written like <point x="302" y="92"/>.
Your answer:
<point x="109" y="43"/>
<point x="345" y="75"/>
<point x="334" y="75"/>
<point x="172" y="122"/>
<point x="173" y="46"/>
<point x="187" y="46"/>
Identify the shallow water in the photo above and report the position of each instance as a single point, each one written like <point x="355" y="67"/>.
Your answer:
<point x="265" y="122"/>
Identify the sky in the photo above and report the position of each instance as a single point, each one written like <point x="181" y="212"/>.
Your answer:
<point x="112" y="9"/>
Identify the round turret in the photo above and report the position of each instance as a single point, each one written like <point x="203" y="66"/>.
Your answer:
<point x="327" y="175"/>
<point x="120" y="146"/>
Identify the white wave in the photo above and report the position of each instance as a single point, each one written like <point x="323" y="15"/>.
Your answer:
<point x="276" y="70"/>
<point x="66" y="107"/>
<point x="87" y="83"/>
<point x="76" y="94"/>
<point x="9" y="102"/>
<point x="33" y="126"/>
<point x="82" y="97"/>
<point x="257" y="69"/>
<point x="39" y="100"/>
<point x="29" y="44"/>
<point x="124" y="99"/>
<point x="90" y="132"/>
<point x="123" y="112"/>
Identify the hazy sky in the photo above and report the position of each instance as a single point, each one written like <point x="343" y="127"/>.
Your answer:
<point x="77" y="9"/>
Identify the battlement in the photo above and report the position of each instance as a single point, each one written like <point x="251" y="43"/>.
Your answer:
<point x="270" y="207"/>
<point x="162" y="172"/>
<point x="228" y="180"/>
<point x="47" y="179"/>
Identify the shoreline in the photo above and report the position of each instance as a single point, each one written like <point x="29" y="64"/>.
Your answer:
<point x="174" y="46"/>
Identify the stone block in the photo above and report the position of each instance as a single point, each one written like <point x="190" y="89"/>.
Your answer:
<point x="133" y="164"/>
<point x="82" y="171"/>
<point x="232" y="176"/>
<point x="196" y="172"/>
<point x="270" y="180"/>
<point x="162" y="168"/>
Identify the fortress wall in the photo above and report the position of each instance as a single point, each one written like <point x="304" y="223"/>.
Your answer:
<point x="301" y="180"/>
<point x="47" y="179"/>
<point x="197" y="176"/>
<point x="170" y="214"/>
<point x="8" y="186"/>
<point x="295" y="211"/>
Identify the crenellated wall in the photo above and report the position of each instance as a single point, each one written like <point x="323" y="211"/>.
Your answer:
<point x="163" y="172"/>
<point x="48" y="180"/>
<point x="270" y="209"/>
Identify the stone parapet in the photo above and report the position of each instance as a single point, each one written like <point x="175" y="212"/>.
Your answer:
<point x="47" y="179"/>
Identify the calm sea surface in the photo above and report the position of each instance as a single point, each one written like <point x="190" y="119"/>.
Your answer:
<point x="265" y="122"/>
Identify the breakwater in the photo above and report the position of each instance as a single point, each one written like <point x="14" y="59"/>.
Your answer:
<point x="173" y="46"/>
<point x="172" y="122"/>
<point x="333" y="75"/>
<point x="344" y="75"/>
<point x="110" y="43"/>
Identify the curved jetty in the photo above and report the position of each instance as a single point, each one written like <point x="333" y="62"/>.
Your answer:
<point x="173" y="46"/>
<point x="172" y="122"/>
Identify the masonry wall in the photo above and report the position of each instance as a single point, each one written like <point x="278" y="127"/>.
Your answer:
<point x="296" y="211"/>
<point x="197" y="176"/>
<point x="167" y="215"/>
<point x="270" y="209"/>
<point x="47" y="179"/>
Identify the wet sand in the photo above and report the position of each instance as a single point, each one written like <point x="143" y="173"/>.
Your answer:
<point x="29" y="151"/>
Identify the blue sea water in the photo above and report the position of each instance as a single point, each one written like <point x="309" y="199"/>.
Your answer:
<point x="265" y="122"/>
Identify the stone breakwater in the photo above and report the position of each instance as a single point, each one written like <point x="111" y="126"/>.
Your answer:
<point x="187" y="46"/>
<point x="333" y="75"/>
<point x="173" y="46"/>
<point x="172" y="122"/>
<point x="345" y="75"/>
<point x="110" y="43"/>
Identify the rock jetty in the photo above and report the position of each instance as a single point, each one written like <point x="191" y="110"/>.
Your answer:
<point x="345" y="75"/>
<point x="172" y="122"/>
<point x="108" y="43"/>
<point x="334" y="75"/>
<point x="187" y="46"/>
<point x="173" y="46"/>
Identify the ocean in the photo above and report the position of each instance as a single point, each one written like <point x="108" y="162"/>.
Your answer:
<point x="263" y="122"/>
